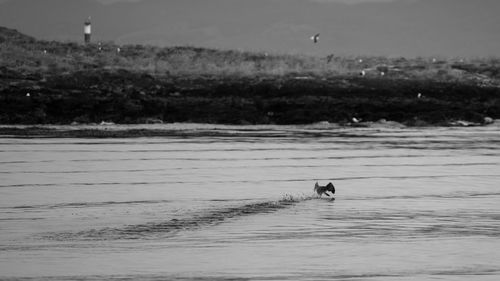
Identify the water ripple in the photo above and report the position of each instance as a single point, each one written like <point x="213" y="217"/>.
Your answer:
<point x="248" y="181"/>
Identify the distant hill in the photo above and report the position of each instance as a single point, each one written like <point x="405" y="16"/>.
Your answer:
<point x="24" y="53"/>
<point x="13" y="36"/>
<point x="64" y="82"/>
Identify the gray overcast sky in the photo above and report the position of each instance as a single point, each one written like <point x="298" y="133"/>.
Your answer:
<point x="359" y="27"/>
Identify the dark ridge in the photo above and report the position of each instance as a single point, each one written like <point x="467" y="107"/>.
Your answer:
<point x="168" y="228"/>
<point x="243" y="102"/>
<point x="12" y="36"/>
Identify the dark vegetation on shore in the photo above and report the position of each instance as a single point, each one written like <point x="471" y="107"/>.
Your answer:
<point x="45" y="82"/>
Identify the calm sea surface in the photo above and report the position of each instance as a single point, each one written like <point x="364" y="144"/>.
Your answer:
<point x="237" y="203"/>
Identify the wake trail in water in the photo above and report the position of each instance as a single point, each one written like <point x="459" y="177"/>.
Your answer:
<point x="155" y="230"/>
<point x="85" y="204"/>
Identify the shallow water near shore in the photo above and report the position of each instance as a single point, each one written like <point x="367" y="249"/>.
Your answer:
<point x="411" y="204"/>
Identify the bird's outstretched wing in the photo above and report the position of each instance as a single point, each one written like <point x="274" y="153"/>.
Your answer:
<point x="315" y="38"/>
<point x="331" y="187"/>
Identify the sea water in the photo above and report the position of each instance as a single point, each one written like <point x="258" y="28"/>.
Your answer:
<point x="238" y="203"/>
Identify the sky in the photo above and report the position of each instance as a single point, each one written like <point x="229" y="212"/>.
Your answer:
<point x="410" y="28"/>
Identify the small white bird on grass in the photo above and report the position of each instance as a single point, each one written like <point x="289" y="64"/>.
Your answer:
<point x="315" y="38"/>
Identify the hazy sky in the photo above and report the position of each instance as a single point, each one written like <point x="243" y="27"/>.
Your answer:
<point x="372" y="27"/>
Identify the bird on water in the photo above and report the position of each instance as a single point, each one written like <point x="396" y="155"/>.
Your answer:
<point x="320" y="190"/>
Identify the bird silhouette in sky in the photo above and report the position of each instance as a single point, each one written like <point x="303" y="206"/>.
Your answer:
<point x="315" y="38"/>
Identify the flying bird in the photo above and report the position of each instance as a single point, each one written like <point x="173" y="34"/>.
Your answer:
<point x="315" y="38"/>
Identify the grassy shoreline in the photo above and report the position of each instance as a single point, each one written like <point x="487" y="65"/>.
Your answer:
<point x="62" y="83"/>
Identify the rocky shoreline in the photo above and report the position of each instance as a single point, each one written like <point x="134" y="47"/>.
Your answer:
<point x="124" y="97"/>
<point x="183" y="130"/>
